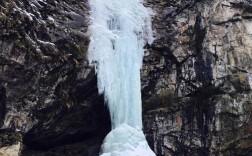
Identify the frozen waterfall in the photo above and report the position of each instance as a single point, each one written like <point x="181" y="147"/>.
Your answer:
<point x="119" y="30"/>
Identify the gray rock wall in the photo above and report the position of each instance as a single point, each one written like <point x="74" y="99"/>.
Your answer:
<point x="51" y="95"/>
<point x="197" y="78"/>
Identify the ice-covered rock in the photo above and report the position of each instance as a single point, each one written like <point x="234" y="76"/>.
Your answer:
<point x="126" y="140"/>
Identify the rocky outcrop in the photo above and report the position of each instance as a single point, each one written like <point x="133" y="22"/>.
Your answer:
<point x="197" y="78"/>
<point x="48" y="92"/>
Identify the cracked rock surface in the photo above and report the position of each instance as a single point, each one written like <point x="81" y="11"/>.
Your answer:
<point x="196" y="79"/>
<point x="48" y="96"/>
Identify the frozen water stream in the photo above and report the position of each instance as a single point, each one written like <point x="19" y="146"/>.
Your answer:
<point x="119" y="30"/>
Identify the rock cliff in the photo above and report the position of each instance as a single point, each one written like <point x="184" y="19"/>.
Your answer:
<point x="196" y="79"/>
<point x="48" y="92"/>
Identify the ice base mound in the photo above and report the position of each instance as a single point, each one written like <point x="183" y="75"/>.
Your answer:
<point x="126" y="141"/>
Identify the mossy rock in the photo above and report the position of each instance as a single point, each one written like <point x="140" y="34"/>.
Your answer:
<point x="9" y="137"/>
<point x="69" y="47"/>
<point x="167" y="101"/>
<point x="239" y="82"/>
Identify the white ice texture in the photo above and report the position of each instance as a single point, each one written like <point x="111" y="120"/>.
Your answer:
<point x="119" y="30"/>
<point x="126" y="141"/>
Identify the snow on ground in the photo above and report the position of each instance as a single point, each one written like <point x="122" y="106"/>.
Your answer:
<point x="126" y="141"/>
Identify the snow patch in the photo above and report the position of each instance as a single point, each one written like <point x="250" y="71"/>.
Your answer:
<point x="29" y="15"/>
<point x="45" y="42"/>
<point x="50" y="19"/>
<point x="126" y="141"/>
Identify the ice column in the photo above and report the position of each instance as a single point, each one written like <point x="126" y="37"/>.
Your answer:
<point x="119" y="30"/>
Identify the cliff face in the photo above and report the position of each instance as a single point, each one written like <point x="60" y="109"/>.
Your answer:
<point x="196" y="79"/>
<point x="48" y="92"/>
